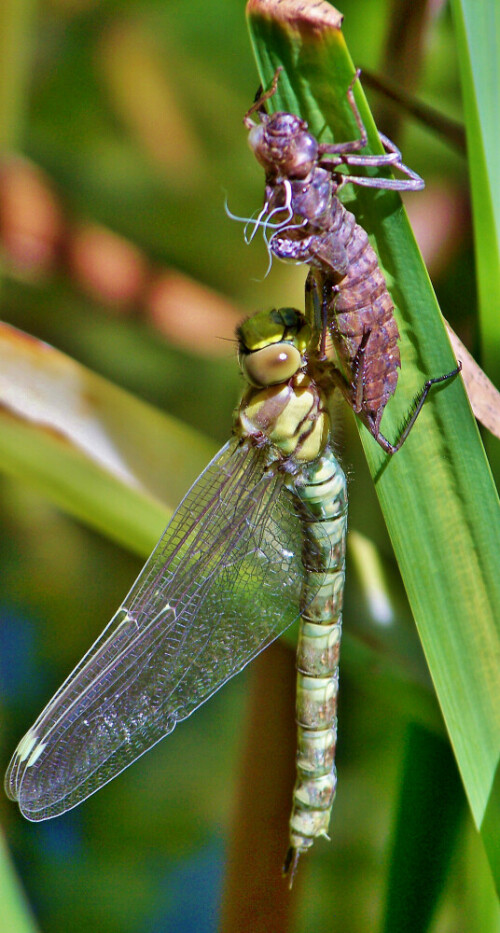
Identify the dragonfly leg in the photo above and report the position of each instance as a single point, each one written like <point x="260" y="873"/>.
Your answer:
<point x="392" y="156"/>
<point x="416" y="409"/>
<point x="261" y="97"/>
<point x="358" y="366"/>
<point x="316" y="313"/>
<point x="353" y="390"/>
<point x="345" y="154"/>
<point x="346" y="151"/>
<point x="414" y="182"/>
<point x="317" y="295"/>
<point x="352" y="145"/>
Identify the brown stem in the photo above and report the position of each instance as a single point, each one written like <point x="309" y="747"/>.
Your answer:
<point x="256" y="896"/>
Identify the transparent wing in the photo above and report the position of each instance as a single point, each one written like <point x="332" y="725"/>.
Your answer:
<point x="222" y="583"/>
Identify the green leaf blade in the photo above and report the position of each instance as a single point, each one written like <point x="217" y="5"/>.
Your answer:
<point x="437" y="494"/>
<point x="95" y="450"/>
<point x="477" y="28"/>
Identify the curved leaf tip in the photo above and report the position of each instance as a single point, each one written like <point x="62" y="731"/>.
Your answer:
<point x="298" y="13"/>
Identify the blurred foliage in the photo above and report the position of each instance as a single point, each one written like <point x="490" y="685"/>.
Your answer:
<point x="134" y="112"/>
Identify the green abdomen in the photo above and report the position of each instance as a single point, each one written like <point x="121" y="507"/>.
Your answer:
<point x="322" y="504"/>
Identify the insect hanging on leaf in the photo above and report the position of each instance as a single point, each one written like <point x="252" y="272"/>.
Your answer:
<point x="307" y="223"/>
<point x="257" y="543"/>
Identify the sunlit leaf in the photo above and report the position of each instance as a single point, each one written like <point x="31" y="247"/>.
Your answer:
<point x="436" y="494"/>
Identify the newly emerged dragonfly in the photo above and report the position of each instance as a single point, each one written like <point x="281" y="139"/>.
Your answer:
<point x="311" y="225"/>
<point x="258" y="540"/>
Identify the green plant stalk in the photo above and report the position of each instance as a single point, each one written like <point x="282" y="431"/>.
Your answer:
<point x="14" y="910"/>
<point x="477" y="28"/>
<point x="437" y="494"/>
<point x="425" y="833"/>
<point x="16" y="18"/>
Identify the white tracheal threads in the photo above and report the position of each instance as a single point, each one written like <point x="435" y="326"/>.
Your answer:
<point x="318" y="648"/>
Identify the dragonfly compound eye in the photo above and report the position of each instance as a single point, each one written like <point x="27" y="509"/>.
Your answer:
<point x="271" y="365"/>
<point x="303" y="155"/>
<point x="255" y="138"/>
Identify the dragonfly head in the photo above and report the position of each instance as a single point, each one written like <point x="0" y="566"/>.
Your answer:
<point x="280" y="141"/>
<point x="283" y="145"/>
<point x="272" y="346"/>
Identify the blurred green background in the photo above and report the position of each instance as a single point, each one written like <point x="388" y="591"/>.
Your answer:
<point x="126" y="118"/>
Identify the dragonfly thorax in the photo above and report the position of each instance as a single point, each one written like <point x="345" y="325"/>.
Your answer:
<point x="284" y="407"/>
<point x="291" y="416"/>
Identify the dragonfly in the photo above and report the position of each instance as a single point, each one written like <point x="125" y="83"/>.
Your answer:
<point x="257" y="542"/>
<point x="349" y="297"/>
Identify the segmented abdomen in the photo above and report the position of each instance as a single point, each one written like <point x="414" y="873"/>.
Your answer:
<point x="358" y="305"/>
<point x="324" y="496"/>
